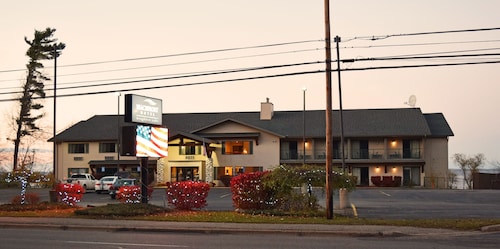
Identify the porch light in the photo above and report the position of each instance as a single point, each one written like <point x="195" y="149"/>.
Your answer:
<point x="393" y="142"/>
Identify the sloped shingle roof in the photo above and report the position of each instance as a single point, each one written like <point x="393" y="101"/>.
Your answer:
<point x="357" y="123"/>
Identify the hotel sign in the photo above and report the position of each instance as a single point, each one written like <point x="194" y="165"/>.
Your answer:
<point x="143" y="110"/>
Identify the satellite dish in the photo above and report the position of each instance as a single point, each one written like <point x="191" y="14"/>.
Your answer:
<point x="412" y="101"/>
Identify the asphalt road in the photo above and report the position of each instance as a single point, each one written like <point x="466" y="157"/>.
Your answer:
<point x="387" y="203"/>
<point x="28" y="238"/>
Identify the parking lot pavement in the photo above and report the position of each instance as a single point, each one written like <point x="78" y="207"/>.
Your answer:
<point x="387" y="203"/>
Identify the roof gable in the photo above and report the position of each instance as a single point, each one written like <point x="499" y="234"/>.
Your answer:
<point x="231" y="120"/>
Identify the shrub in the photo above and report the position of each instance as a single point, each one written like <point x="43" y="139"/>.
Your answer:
<point x="279" y="189"/>
<point x="187" y="195"/>
<point x="121" y="210"/>
<point x="249" y="193"/>
<point x="131" y="194"/>
<point x="29" y="198"/>
<point x="69" y="193"/>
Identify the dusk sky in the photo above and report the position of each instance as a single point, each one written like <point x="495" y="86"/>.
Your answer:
<point x="156" y="42"/>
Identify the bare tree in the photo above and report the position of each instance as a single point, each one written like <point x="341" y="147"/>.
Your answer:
<point x="469" y="166"/>
<point x="496" y="164"/>
<point x="42" y="47"/>
<point x="452" y="179"/>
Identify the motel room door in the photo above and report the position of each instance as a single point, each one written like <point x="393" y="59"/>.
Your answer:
<point x="411" y="176"/>
<point x="362" y="175"/>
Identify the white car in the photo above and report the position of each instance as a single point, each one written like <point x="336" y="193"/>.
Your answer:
<point x="105" y="183"/>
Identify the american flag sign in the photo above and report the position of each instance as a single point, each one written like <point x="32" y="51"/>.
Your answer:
<point x="151" y="141"/>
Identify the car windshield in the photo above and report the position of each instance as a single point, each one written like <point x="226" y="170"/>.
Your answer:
<point x="107" y="179"/>
<point x="127" y="182"/>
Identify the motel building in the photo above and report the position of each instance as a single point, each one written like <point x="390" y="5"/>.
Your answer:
<point x="382" y="147"/>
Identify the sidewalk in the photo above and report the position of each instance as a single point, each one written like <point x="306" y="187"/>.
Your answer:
<point x="226" y="228"/>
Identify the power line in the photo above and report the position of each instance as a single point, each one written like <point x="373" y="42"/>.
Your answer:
<point x="175" y="55"/>
<point x="238" y="70"/>
<point x="189" y="62"/>
<point x="422" y="57"/>
<point x="422" y="65"/>
<point x="380" y="37"/>
<point x="176" y="85"/>
<point x="209" y="73"/>
<point x="262" y="77"/>
<point x="422" y="44"/>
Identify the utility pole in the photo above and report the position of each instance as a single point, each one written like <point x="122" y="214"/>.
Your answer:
<point x="304" y="89"/>
<point x="342" y="145"/>
<point x="328" y="113"/>
<point x="119" y="139"/>
<point x="54" y="147"/>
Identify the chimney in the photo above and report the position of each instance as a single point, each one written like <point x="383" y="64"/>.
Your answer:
<point x="266" y="110"/>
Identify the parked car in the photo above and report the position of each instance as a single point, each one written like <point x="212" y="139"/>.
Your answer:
<point x="105" y="183"/>
<point x="86" y="180"/>
<point x="115" y="188"/>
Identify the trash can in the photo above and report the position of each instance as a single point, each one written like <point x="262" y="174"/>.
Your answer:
<point x="53" y="196"/>
<point x="343" y="198"/>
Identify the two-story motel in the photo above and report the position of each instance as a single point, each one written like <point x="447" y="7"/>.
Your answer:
<point x="404" y="147"/>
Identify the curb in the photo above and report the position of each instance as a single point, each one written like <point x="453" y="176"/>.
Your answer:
<point x="206" y="230"/>
<point x="492" y="228"/>
<point x="230" y="228"/>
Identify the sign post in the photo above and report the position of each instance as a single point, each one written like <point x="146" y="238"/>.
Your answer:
<point x="144" y="180"/>
<point x="151" y="140"/>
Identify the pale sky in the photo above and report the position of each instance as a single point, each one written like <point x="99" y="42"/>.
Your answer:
<point x="117" y="31"/>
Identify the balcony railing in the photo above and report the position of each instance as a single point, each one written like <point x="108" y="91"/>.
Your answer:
<point x="375" y="154"/>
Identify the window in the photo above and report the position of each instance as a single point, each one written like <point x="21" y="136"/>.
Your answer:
<point x="237" y="147"/>
<point x="189" y="149"/>
<point x="107" y="147"/>
<point x="411" y="148"/>
<point x="359" y="149"/>
<point x="72" y="171"/>
<point x="78" y="148"/>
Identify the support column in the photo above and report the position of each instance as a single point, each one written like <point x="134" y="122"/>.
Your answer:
<point x="209" y="170"/>
<point x="144" y="180"/>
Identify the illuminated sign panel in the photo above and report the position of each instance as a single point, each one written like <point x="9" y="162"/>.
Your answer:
<point x="143" y="110"/>
<point x="151" y="141"/>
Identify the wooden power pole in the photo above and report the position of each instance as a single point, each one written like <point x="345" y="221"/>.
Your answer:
<point x="328" y="113"/>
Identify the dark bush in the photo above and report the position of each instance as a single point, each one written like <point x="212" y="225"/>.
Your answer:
<point x="29" y="198"/>
<point x="121" y="210"/>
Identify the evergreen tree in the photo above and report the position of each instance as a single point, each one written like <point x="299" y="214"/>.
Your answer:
<point x="42" y="47"/>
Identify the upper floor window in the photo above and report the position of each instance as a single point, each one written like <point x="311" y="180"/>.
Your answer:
<point x="189" y="149"/>
<point x="411" y="148"/>
<point x="80" y="148"/>
<point x="237" y="147"/>
<point x="107" y="147"/>
<point x="359" y="149"/>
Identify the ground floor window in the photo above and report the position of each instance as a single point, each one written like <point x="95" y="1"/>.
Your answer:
<point x="225" y="173"/>
<point x="106" y="171"/>
<point x="233" y="171"/>
<point x="179" y="174"/>
<point x="387" y="175"/>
